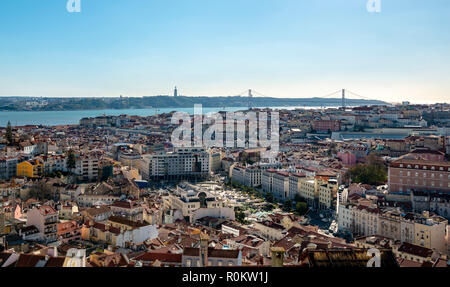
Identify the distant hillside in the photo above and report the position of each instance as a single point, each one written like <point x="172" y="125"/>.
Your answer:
<point x="66" y="104"/>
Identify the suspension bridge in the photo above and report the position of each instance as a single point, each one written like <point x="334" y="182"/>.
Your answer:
<point x="342" y="94"/>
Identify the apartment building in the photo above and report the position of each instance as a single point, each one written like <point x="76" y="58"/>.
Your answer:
<point x="406" y="175"/>
<point x="327" y="194"/>
<point x="253" y="176"/>
<point x="308" y="191"/>
<point x="31" y="168"/>
<point x="295" y="183"/>
<point x="45" y="219"/>
<point x="238" y="174"/>
<point x="8" y="168"/>
<point x="248" y="176"/>
<point x="54" y="163"/>
<point x="128" y="209"/>
<point x="181" y="164"/>
<point x="367" y="219"/>
<point x="119" y="232"/>
<point x="267" y="180"/>
<point x="327" y="125"/>
<point x="360" y="219"/>
<point x="280" y="185"/>
<point x="270" y="230"/>
<point x="216" y="161"/>
<point x="86" y="167"/>
<point x="91" y="199"/>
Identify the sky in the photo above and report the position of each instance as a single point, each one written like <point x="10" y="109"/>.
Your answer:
<point x="279" y="48"/>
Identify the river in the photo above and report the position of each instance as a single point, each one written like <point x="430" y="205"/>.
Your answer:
<point x="53" y="118"/>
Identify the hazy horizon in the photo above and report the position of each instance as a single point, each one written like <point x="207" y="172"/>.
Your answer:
<point x="284" y="49"/>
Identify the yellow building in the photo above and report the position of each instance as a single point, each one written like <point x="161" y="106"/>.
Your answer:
<point x="99" y="232"/>
<point x="31" y="168"/>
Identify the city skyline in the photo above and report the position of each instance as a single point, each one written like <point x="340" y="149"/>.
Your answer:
<point x="293" y="49"/>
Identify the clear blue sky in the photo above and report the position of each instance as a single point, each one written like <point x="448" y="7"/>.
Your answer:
<point x="280" y="48"/>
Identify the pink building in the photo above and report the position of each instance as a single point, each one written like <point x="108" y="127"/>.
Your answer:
<point x="327" y="125"/>
<point x="45" y="218"/>
<point x="407" y="174"/>
<point x="347" y="158"/>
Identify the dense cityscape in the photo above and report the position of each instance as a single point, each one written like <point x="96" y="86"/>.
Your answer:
<point x="236" y="143"/>
<point x="114" y="191"/>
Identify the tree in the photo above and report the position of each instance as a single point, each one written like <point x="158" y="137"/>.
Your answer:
<point x="41" y="191"/>
<point x="71" y="160"/>
<point x="240" y="216"/>
<point x="301" y="208"/>
<point x="287" y="206"/>
<point x="9" y="136"/>
<point x="372" y="172"/>
<point x="299" y="198"/>
<point x="269" y="197"/>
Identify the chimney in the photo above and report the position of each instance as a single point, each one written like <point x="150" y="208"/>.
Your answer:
<point x="52" y="251"/>
<point x="277" y="256"/>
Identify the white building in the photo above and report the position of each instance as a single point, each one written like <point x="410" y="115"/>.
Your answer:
<point x="183" y="163"/>
<point x="295" y="183"/>
<point x="189" y="200"/>
<point x="86" y="167"/>
<point x="267" y="180"/>
<point x="366" y="219"/>
<point x="280" y="185"/>
<point x="308" y="191"/>
<point x="248" y="176"/>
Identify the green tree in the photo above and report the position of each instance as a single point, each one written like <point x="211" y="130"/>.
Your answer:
<point x="240" y="216"/>
<point x="301" y="208"/>
<point x="298" y="198"/>
<point x="9" y="136"/>
<point x="71" y="160"/>
<point x="372" y="172"/>
<point x="269" y="197"/>
<point x="287" y="205"/>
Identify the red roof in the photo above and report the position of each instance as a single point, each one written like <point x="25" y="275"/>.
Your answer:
<point x="163" y="257"/>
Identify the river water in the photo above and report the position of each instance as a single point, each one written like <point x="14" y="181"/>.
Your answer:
<point x="49" y="118"/>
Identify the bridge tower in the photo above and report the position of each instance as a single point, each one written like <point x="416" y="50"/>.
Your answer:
<point x="343" y="99"/>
